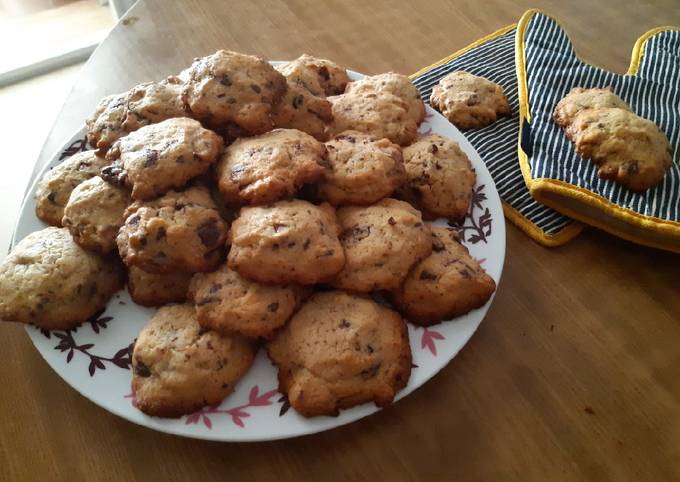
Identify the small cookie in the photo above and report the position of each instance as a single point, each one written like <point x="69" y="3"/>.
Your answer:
<point x="579" y="99"/>
<point x="379" y="114"/>
<point x="150" y="289"/>
<point x="627" y="148"/>
<point x="51" y="282"/>
<point x="179" y="367"/>
<point x="105" y="124"/>
<point x="469" y="101"/>
<point x="181" y="231"/>
<point x="286" y="242"/>
<point x="319" y="76"/>
<point x="440" y="179"/>
<point x="362" y="169"/>
<point x="154" y="102"/>
<point x="160" y="157"/>
<point x="94" y="213"/>
<point x="229" y="303"/>
<point x="300" y="109"/>
<point x="395" y="84"/>
<point x="268" y="167"/>
<point x="54" y="188"/>
<point x="232" y="88"/>
<point x="446" y="284"/>
<point x="341" y="350"/>
<point x="381" y="243"/>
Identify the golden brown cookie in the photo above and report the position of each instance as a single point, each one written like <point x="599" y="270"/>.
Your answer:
<point x="181" y="231"/>
<point x="319" y="76"/>
<point x="381" y="243"/>
<point x="395" y="84"/>
<point x="341" y="350"/>
<point x="227" y="302"/>
<point x="105" y="124"/>
<point x="232" y="88"/>
<point x="302" y="110"/>
<point x="179" y="367"/>
<point x="150" y="289"/>
<point x="362" y="169"/>
<point x="469" y="101"/>
<point x="286" y="242"/>
<point x="268" y="167"/>
<point x="55" y="186"/>
<point x="94" y="213"/>
<point x="379" y="114"/>
<point x="439" y="178"/>
<point x="154" y="102"/>
<point x="446" y="284"/>
<point x="627" y="148"/>
<point x="579" y="99"/>
<point x="51" y="282"/>
<point x="160" y="157"/>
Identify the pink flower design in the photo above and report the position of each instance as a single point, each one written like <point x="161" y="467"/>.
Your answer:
<point x="481" y="261"/>
<point x="237" y="414"/>
<point x="426" y="132"/>
<point x="428" y="340"/>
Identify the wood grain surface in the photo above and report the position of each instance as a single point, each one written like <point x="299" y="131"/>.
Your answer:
<point x="573" y="375"/>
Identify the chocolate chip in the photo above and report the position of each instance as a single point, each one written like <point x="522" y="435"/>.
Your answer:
<point x="224" y="80"/>
<point x="114" y="174"/>
<point x="418" y="224"/>
<point x="370" y="372"/>
<point x="207" y="301"/>
<point x="633" y="167"/>
<point x="433" y="148"/>
<point x="472" y="100"/>
<point x="437" y="245"/>
<point x="345" y="323"/>
<point x="297" y="101"/>
<point x="275" y="246"/>
<point x="391" y="221"/>
<point x="323" y="73"/>
<point x="141" y="369"/>
<point x="215" y="288"/>
<point x="209" y="233"/>
<point x="256" y="88"/>
<point x="306" y="243"/>
<point x="160" y="234"/>
<point x="369" y="349"/>
<point x="426" y="275"/>
<point x="51" y="196"/>
<point x="466" y="273"/>
<point x="355" y="233"/>
<point x="151" y="158"/>
<point x="203" y="329"/>
<point x="328" y="252"/>
<point x="143" y="241"/>
<point x="273" y="307"/>
<point x="134" y="220"/>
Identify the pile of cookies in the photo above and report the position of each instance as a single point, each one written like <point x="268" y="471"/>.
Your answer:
<point x="628" y="149"/>
<point x="255" y="206"/>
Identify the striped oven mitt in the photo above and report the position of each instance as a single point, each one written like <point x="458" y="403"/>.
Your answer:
<point x="547" y="68"/>
<point x="493" y="57"/>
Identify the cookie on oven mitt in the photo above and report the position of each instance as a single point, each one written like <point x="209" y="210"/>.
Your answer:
<point x="629" y="184"/>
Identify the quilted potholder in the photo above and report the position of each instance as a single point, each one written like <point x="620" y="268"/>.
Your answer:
<point x="547" y="68"/>
<point x="493" y="57"/>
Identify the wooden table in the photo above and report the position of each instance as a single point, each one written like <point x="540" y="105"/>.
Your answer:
<point x="574" y="374"/>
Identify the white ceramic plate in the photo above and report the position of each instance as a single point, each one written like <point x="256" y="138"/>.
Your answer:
<point x="95" y="358"/>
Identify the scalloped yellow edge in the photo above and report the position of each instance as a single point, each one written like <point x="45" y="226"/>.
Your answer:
<point x="529" y="228"/>
<point x="575" y="201"/>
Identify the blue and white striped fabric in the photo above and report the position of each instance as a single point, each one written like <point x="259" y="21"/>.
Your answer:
<point x="552" y="69"/>
<point x="497" y="143"/>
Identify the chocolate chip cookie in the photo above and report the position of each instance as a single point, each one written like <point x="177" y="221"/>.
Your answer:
<point x="380" y="114"/>
<point x="341" y="350"/>
<point x="579" y="99"/>
<point x="446" y="284"/>
<point x="395" y="84"/>
<point x="55" y="186"/>
<point x="154" y="102"/>
<point x="628" y="149"/>
<point x="381" y="243"/>
<point x="160" y="157"/>
<point x="151" y="289"/>
<point x="440" y="179"/>
<point x="469" y="101"/>
<point x="105" y="124"/>
<point x="286" y="242"/>
<point x="268" y="167"/>
<point x="181" y="231"/>
<point x="318" y="76"/>
<point x="302" y="110"/>
<point x="232" y="88"/>
<point x="94" y="213"/>
<point x="179" y="367"/>
<point x="362" y="169"/>
<point x="227" y="302"/>
<point x="51" y="282"/>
